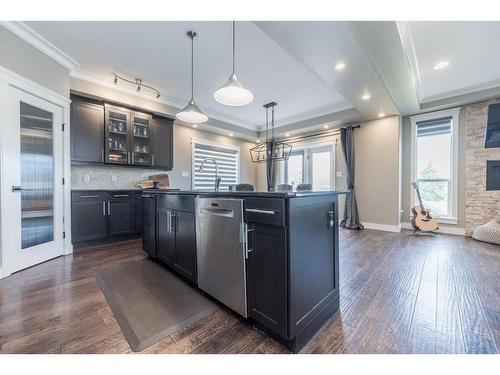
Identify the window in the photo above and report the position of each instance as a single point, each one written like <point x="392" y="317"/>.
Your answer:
<point x="434" y="162"/>
<point x="227" y="158"/>
<point x="294" y="171"/>
<point x="311" y="165"/>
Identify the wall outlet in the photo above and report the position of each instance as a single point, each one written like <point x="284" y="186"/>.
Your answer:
<point x="113" y="178"/>
<point x="185" y="174"/>
<point x="86" y="178"/>
<point x="338" y="174"/>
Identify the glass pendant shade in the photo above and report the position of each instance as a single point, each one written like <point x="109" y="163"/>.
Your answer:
<point x="232" y="93"/>
<point x="192" y="114"/>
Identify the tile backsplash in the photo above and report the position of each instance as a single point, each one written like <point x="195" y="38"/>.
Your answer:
<point x="108" y="177"/>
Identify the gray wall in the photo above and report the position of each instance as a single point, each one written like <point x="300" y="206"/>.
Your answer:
<point x="377" y="180"/>
<point x="25" y="60"/>
<point x="406" y="178"/>
<point x="100" y="176"/>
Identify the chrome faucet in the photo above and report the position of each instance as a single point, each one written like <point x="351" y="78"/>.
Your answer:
<point x="217" y="178"/>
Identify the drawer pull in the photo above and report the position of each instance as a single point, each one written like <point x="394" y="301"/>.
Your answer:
<point x="258" y="211"/>
<point x="89" y="196"/>
<point x="120" y="195"/>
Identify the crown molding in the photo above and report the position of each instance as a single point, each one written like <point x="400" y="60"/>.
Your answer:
<point x="174" y="103"/>
<point x="407" y="41"/>
<point x="323" y="111"/>
<point x="30" y="36"/>
<point x="475" y="89"/>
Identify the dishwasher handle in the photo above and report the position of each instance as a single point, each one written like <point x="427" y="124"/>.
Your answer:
<point x="226" y="212"/>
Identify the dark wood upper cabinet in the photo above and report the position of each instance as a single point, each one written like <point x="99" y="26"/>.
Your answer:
<point x="111" y="134"/>
<point x="140" y="139"/>
<point x="87" y="132"/>
<point x="117" y="129"/>
<point x="162" y="143"/>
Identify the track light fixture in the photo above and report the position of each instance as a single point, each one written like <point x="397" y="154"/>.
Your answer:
<point x="138" y="83"/>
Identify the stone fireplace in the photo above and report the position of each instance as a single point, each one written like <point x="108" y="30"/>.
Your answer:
<point x="482" y="202"/>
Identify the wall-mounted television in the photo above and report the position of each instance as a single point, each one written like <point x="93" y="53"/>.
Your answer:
<point x="492" y="136"/>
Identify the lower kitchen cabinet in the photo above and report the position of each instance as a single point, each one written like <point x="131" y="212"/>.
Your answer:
<point x="266" y="271"/>
<point x="148" y="223"/>
<point x="101" y="216"/>
<point x="176" y="234"/>
<point x="88" y="219"/>
<point x="185" y="244"/>
<point x="121" y="216"/>
<point x="166" y="236"/>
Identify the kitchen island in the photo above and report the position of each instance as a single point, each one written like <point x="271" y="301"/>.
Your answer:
<point x="270" y="256"/>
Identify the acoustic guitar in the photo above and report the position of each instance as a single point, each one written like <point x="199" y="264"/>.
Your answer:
<point x="422" y="219"/>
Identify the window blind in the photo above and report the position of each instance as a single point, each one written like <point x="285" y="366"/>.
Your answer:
<point x="434" y="126"/>
<point x="227" y="160"/>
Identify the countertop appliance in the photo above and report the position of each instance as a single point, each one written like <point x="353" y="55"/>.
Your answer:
<point x="222" y="238"/>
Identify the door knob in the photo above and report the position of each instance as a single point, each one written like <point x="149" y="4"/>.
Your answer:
<point x="16" y="188"/>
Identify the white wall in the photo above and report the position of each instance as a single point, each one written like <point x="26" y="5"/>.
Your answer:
<point x="377" y="180"/>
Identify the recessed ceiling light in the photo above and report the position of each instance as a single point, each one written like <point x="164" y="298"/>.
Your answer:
<point x="195" y="126"/>
<point x="257" y="141"/>
<point x="366" y="96"/>
<point x="231" y="134"/>
<point x="325" y="127"/>
<point x="287" y="134"/>
<point x="441" y="65"/>
<point x="339" y="66"/>
<point x="381" y="114"/>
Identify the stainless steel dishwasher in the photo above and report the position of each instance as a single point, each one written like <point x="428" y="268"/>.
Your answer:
<point x="221" y="238"/>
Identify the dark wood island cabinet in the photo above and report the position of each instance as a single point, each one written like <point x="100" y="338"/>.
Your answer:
<point x="292" y="264"/>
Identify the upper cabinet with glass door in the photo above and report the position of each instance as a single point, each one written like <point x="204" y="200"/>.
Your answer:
<point x="141" y="134"/>
<point x="117" y="133"/>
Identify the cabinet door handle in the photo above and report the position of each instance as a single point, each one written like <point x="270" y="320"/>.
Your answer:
<point x="246" y="230"/>
<point x="173" y="226"/>
<point x="89" y="196"/>
<point x="153" y="159"/>
<point x="131" y="158"/>
<point x="109" y="208"/>
<point x="259" y="211"/>
<point x="330" y="219"/>
<point x="102" y="155"/>
<point x="103" y="208"/>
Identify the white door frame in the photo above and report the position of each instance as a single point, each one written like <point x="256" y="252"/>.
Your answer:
<point x="7" y="77"/>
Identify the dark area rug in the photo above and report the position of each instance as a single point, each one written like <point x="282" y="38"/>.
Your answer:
<point x="150" y="302"/>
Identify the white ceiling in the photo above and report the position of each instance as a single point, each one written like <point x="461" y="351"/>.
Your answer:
<point x="472" y="49"/>
<point x="293" y="63"/>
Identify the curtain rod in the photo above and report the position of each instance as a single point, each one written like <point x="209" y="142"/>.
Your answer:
<point x="322" y="134"/>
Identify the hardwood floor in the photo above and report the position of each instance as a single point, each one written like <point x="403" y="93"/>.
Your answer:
<point x="400" y="293"/>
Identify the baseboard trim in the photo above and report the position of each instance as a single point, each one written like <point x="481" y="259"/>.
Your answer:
<point x="382" y="227"/>
<point x="445" y="230"/>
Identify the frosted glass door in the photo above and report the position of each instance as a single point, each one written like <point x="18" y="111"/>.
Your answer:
<point x="37" y="176"/>
<point x="32" y="187"/>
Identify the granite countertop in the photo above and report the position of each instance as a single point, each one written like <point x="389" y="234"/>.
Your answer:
<point x="111" y="189"/>
<point x="261" y="194"/>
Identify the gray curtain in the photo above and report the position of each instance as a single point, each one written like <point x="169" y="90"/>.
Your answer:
<point x="351" y="218"/>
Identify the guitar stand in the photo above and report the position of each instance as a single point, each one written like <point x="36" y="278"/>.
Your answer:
<point x="433" y="233"/>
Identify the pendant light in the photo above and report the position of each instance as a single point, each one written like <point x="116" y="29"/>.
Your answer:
<point x="271" y="150"/>
<point x="232" y="93"/>
<point x="192" y="113"/>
